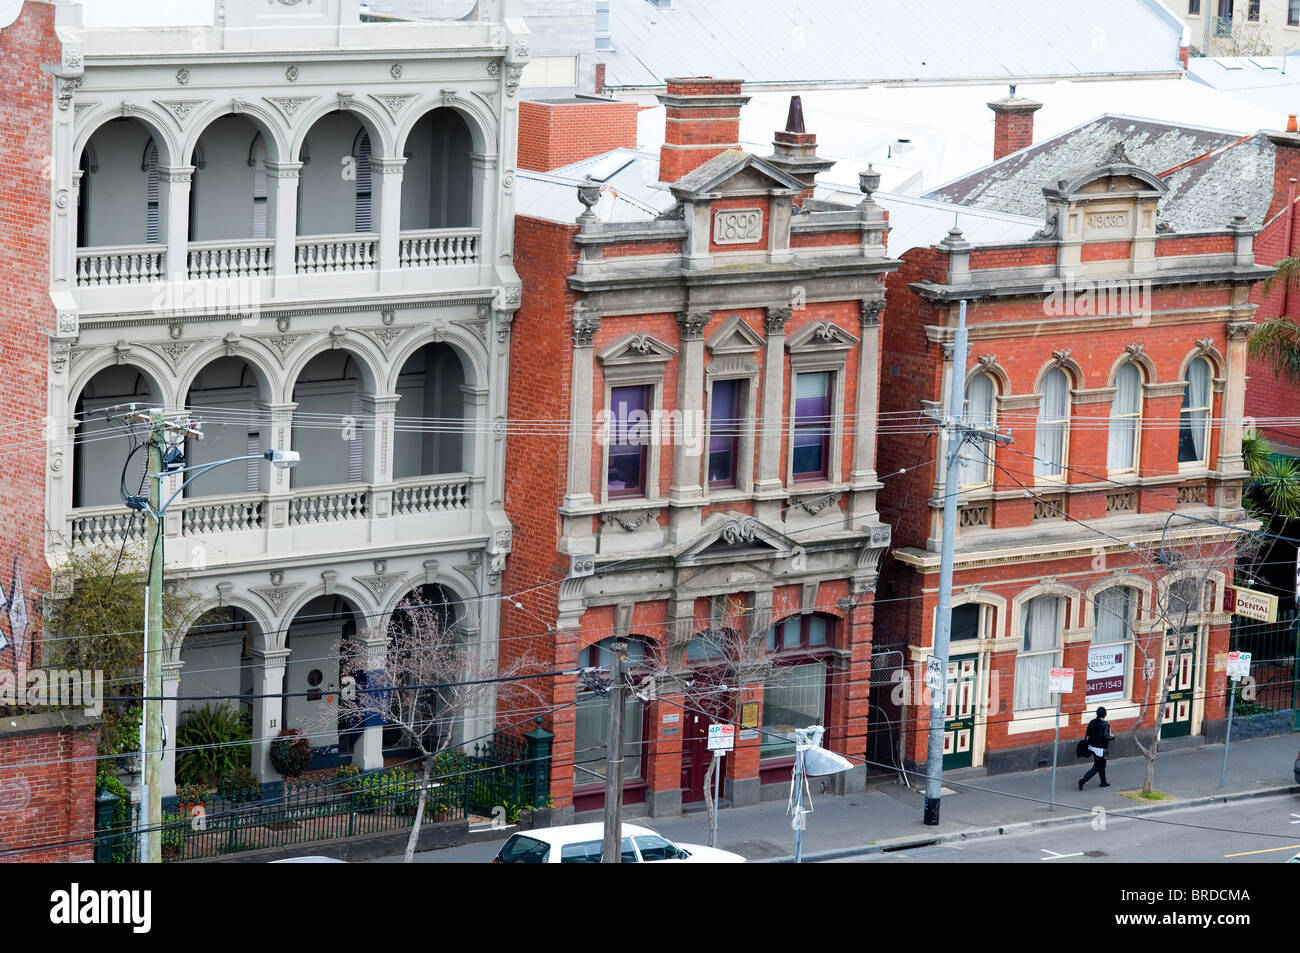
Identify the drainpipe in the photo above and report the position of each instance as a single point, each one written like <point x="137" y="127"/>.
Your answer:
<point x="1290" y="238"/>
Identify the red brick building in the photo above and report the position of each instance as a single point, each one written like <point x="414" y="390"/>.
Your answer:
<point x="47" y="769"/>
<point x="707" y="343"/>
<point x="1101" y="538"/>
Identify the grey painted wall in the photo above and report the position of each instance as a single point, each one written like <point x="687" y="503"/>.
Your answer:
<point x="327" y="184"/>
<point x="430" y="387"/>
<point x="221" y="193"/>
<point x="330" y="385"/>
<point x="114" y="198"/>
<point x="100" y="451"/>
<point x="436" y="181"/>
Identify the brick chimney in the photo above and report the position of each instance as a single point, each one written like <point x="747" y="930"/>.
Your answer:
<point x="795" y="150"/>
<point x="1286" y="165"/>
<point x="556" y="132"/>
<point x="703" y="120"/>
<point x="1013" y="124"/>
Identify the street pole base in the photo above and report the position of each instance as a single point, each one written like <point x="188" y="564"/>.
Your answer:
<point x="932" y="811"/>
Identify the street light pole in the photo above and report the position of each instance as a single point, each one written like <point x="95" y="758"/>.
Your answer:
<point x="153" y="645"/>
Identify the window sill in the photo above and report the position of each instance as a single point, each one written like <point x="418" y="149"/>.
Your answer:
<point x="1030" y="720"/>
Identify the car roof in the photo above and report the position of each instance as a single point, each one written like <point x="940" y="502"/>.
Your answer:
<point x="578" y="833"/>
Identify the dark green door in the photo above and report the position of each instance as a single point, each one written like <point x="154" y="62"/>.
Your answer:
<point x="1180" y="662"/>
<point x="959" y="712"/>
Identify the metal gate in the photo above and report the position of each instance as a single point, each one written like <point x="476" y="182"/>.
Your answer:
<point x="885" y="729"/>
<point x="1274" y="648"/>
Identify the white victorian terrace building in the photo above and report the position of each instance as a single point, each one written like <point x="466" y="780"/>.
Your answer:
<point x="298" y="225"/>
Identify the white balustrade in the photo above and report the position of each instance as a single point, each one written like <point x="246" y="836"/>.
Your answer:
<point x="318" y="254"/>
<point x="121" y="265"/>
<point x="109" y="525"/>
<point x="328" y="505"/>
<point x="439" y="248"/>
<point x="441" y="495"/>
<point x="221" y="516"/>
<point x="247" y="259"/>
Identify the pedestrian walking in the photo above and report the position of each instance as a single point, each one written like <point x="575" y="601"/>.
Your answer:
<point x="1098" y="738"/>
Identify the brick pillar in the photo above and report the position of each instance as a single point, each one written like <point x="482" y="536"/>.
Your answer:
<point x="850" y="696"/>
<point x="1286" y="166"/>
<point x="1013" y="124"/>
<point x="702" y="120"/>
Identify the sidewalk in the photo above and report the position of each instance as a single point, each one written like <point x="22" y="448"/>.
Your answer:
<point x="888" y="815"/>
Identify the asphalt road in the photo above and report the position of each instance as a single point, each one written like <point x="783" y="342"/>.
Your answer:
<point x="1260" y="831"/>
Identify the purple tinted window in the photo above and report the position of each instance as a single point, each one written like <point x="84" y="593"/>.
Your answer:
<point x="811" y="424"/>
<point x="629" y="435"/>
<point x="724" y="433"/>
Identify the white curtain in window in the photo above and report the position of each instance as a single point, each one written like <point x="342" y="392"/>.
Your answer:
<point x="1114" y="610"/>
<point x="1122" y="451"/>
<point x="1053" y="413"/>
<point x="975" y="461"/>
<point x="1196" y="412"/>
<point x="1042" y="624"/>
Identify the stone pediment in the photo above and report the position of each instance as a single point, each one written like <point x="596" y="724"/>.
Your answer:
<point x="728" y="537"/>
<point x="821" y="336"/>
<point x="636" y="349"/>
<point x="734" y="171"/>
<point x="734" y="337"/>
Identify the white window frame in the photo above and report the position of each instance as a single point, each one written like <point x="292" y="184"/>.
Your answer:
<point x="1203" y="462"/>
<point x="1063" y="605"/>
<point x="981" y="447"/>
<point x="1062" y="476"/>
<point x="1136" y="417"/>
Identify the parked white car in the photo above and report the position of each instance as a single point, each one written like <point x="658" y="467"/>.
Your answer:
<point x="581" y="844"/>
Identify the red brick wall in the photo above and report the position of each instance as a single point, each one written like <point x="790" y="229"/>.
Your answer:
<point x="722" y="205"/>
<point x="26" y="129"/>
<point x="53" y="772"/>
<point x="1194" y="245"/>
<point x="556" y="134"/>
<point x="1267" y="394"/>
<point x="1012" y="131"/>
<point x="823" y="239"/>
<point x="695" y="134"/>
<point x="541" y="364"/>
<point x="1012" y="257"/>
<point x="1108" y="251"/>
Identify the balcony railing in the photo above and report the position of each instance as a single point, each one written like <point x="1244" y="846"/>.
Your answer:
<point x="121" y="265"/>
<point x="243" y="259"/>
<point x="441" y="495"/>
<point x="438" y="248"/>
<point x="318" y="254"/>
<point x="206" y="516"/>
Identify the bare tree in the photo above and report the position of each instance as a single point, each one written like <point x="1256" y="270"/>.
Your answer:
<point x="1245" y="38"/>
<point x="428" y="681"/>
<point x="1183" y="568"/>
<point x="727" y="659"/>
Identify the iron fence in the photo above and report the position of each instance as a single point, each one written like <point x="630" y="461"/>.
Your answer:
<point x="1274" y="649"/>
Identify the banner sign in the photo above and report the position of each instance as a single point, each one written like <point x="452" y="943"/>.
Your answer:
<point x="1250" y="603"/>
<point x="1105" y="673"/>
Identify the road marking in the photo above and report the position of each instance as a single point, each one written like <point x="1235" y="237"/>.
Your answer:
<point x="1056" y="856"/>
<point x="1266" y="850"/>
<point x="1297" y="818"/>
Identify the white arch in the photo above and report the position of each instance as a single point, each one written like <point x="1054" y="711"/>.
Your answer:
<point x="468" y="347"/>
<point x="154" y="120"/>
<point x="262" y="119"/>
<point x="263" y="369"/>
<point x="370" y="117"/>
<point x="482" y="126"/>
<point x="106" y="356"/>
<point x="370" y="361"/>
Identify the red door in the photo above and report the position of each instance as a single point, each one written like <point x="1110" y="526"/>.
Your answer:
<point x="695" y="755"/>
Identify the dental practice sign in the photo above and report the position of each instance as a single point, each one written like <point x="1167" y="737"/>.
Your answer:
<point x="1250" y="603"/>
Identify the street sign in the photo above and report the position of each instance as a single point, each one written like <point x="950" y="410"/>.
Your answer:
<point x="1106" y="670"/>
<point x="934" y="674"/>
<point x="722" y="737"/>
<point x="1238" y="664"/>
<point x="1060" y="680"/>
<point x="1250" y="603"/>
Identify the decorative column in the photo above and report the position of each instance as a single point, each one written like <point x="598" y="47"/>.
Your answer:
<point x="585" y="325"/>
<point x="688" y="441"/>
<point x="282" y="221"/>
<point x="386" y="178"/>
<point x="275" y="480"/>
<point x="863" y="475"/>
<point x="177" y="179"/>
<point x="1234" y="401"/>
<point x="368" y="752"/>
<point x="268" y="707"/>
<point x="171" y="683"/>
<point x="475" y="442"/>
<point x="496" y="233"/>
<point x="769" y="487"/>
<point x="377" y="455"/>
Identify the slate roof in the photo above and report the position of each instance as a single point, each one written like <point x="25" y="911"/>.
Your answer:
<point x="812" y="41"/>
<point x="1231" y="173"/>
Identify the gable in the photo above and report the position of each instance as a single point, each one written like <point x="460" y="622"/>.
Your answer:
<point x="734" y="337"/>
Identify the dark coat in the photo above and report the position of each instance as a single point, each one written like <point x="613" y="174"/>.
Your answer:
<point x="1099" y="735"/>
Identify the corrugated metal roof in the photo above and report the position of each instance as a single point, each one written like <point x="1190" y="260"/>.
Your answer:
<point x="1206" y="194"/>
<point x="1257" y="80"/>
<point x="631" y="194"/>
<point x="917" y="222"/>
<point x="119" y="14"/>
<point x="776" y="41"/>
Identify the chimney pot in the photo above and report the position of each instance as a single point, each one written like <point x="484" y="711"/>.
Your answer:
<point x="1291" y="123"/>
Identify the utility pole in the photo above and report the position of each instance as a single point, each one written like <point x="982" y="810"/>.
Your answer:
<point x="937" y="665"/>
<point x="612" y="849"/>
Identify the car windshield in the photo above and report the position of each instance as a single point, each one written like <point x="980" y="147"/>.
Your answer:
<point x="524" y="850"/>
<point x="653" y="847"/>
<point x="588" y="852"/>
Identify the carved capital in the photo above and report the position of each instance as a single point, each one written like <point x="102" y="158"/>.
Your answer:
<point x="777" y="318"/>
<point x="585" y="325"/>
<point x="869" y="312"/>
<point x="693" y="323"/>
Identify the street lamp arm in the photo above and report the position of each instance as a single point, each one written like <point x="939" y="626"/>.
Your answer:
<point x="280" y="458"/>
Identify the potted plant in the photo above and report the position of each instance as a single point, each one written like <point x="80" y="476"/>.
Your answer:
<point x="190" y="796"/>
<point x="290" y="753"/>
<point x="239" y="785"/>
<point x="173" y="835"/>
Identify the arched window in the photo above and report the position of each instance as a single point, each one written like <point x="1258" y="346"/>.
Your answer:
<point x="796" y="689"/>
<point x="1194" y="420"/>
<point x="1115" y="611"/>
<point x="1040" y="650"/>
<point x="1052" y="434"/>
<point x="1125" y="420"/>
<point x="976" y="456"/>
<point x="591" y="732"/>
